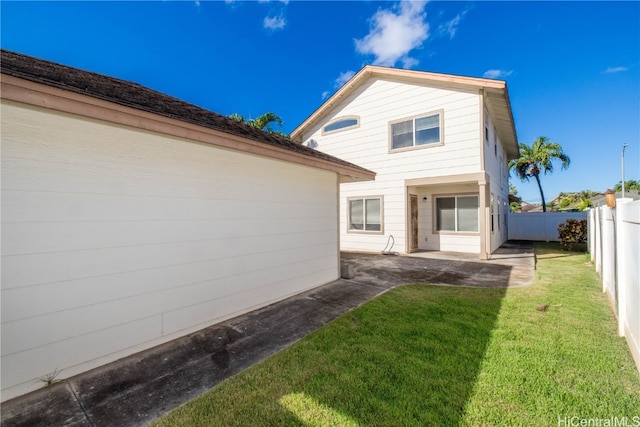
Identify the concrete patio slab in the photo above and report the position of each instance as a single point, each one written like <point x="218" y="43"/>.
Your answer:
<point x="512" y="265"/>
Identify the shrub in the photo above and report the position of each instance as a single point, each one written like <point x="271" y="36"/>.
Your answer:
<point x="572" y="231"/>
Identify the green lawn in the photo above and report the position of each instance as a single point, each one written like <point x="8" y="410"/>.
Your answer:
<point x="432" y="355"/>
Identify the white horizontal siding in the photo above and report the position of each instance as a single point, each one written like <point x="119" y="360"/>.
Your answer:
<point x="496" y="168"/>
<point x="100" y="347"/>
<point x="459" y="243"/>
<point x="377" y="103"/>
<point x="115" y="240"/>
<point x="428" y="238"/>
<point x="393" y="216"/>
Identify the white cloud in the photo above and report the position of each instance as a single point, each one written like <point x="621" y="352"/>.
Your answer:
<point x="344" y="77"/>
<point x="495" y="74"/>
<point x="450" y="28"/>
<point x="395" y="33"/>
<point x="275" y="22"/>
<point x="409" y="62"/>
<point x="338" y="82"/>
<point x="232" y="4"/>
<point x="612" y="70"/>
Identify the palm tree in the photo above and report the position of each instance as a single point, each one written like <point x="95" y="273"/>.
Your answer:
<point x="262" y="122"/>
<point x="537" y="158"/>
<point x="237" y="117"/>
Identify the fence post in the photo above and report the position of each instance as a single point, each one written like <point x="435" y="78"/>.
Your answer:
<point x="591" y="236"/>
<point x="609" y="255"/>
<point x="598" y="233"/>
<point x="621" y="241"/>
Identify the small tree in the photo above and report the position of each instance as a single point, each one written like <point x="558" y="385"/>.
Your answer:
<point x="629" y="184"/>
<point x="572" y="231"/>
<point x="578" y="201"/>
<point x="515" y="205"/>
<point x="513" y="190"/>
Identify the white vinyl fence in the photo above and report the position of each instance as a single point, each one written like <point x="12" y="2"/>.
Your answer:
<point x="539" y="226"/>
<point x="614" y="244"/>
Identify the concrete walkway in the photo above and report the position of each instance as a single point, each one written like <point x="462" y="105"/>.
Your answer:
<point x="136" y="390"/>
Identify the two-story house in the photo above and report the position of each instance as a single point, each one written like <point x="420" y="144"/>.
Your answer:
<point x="440" y="145"/>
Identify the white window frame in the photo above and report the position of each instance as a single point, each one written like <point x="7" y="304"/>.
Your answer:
<point x="364" y="214"/>
<point x="439" y="113"/>
<point x="342" y="129"/>
<point x="456" y="231"/>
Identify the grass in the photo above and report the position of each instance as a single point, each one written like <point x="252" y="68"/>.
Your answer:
<point x="51" y="378"/>
<point x="431" y="355"/>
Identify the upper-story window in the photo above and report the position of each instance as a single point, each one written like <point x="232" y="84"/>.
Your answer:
<point x="340" y="124"/>
<point x="417" y="131"/>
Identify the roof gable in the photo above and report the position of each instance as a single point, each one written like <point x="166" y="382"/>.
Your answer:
<point x="138" y="97"/>
<point x="495" y="94"/>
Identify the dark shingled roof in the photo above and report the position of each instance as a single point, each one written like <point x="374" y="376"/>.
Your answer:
<point x="136" y="96"/>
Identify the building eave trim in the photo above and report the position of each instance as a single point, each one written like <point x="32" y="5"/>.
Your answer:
<point x="43" y="96"/>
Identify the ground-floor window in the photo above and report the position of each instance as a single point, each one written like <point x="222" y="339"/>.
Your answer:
<point x="365" y="214"/>
<point x="457" y="213"/>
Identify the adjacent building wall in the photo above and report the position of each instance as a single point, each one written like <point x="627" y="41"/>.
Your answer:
<point x="115" y="240"/>
<point x="496" y="168"/>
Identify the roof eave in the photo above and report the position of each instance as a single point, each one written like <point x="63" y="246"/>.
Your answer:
<point x="372" y="71"/>
<point x="500" y="105"/>
<point x="41" y="95"/>
<point x="317" y="115"/>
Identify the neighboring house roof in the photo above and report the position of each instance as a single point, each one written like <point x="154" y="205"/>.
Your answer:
<point x="133" y="95"/>
<point x="495" y="95"/>
<point x="600" y="199"/>
<point x="528" y="207"/>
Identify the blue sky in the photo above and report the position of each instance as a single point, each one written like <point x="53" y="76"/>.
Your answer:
<point x="572" y="68"/>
